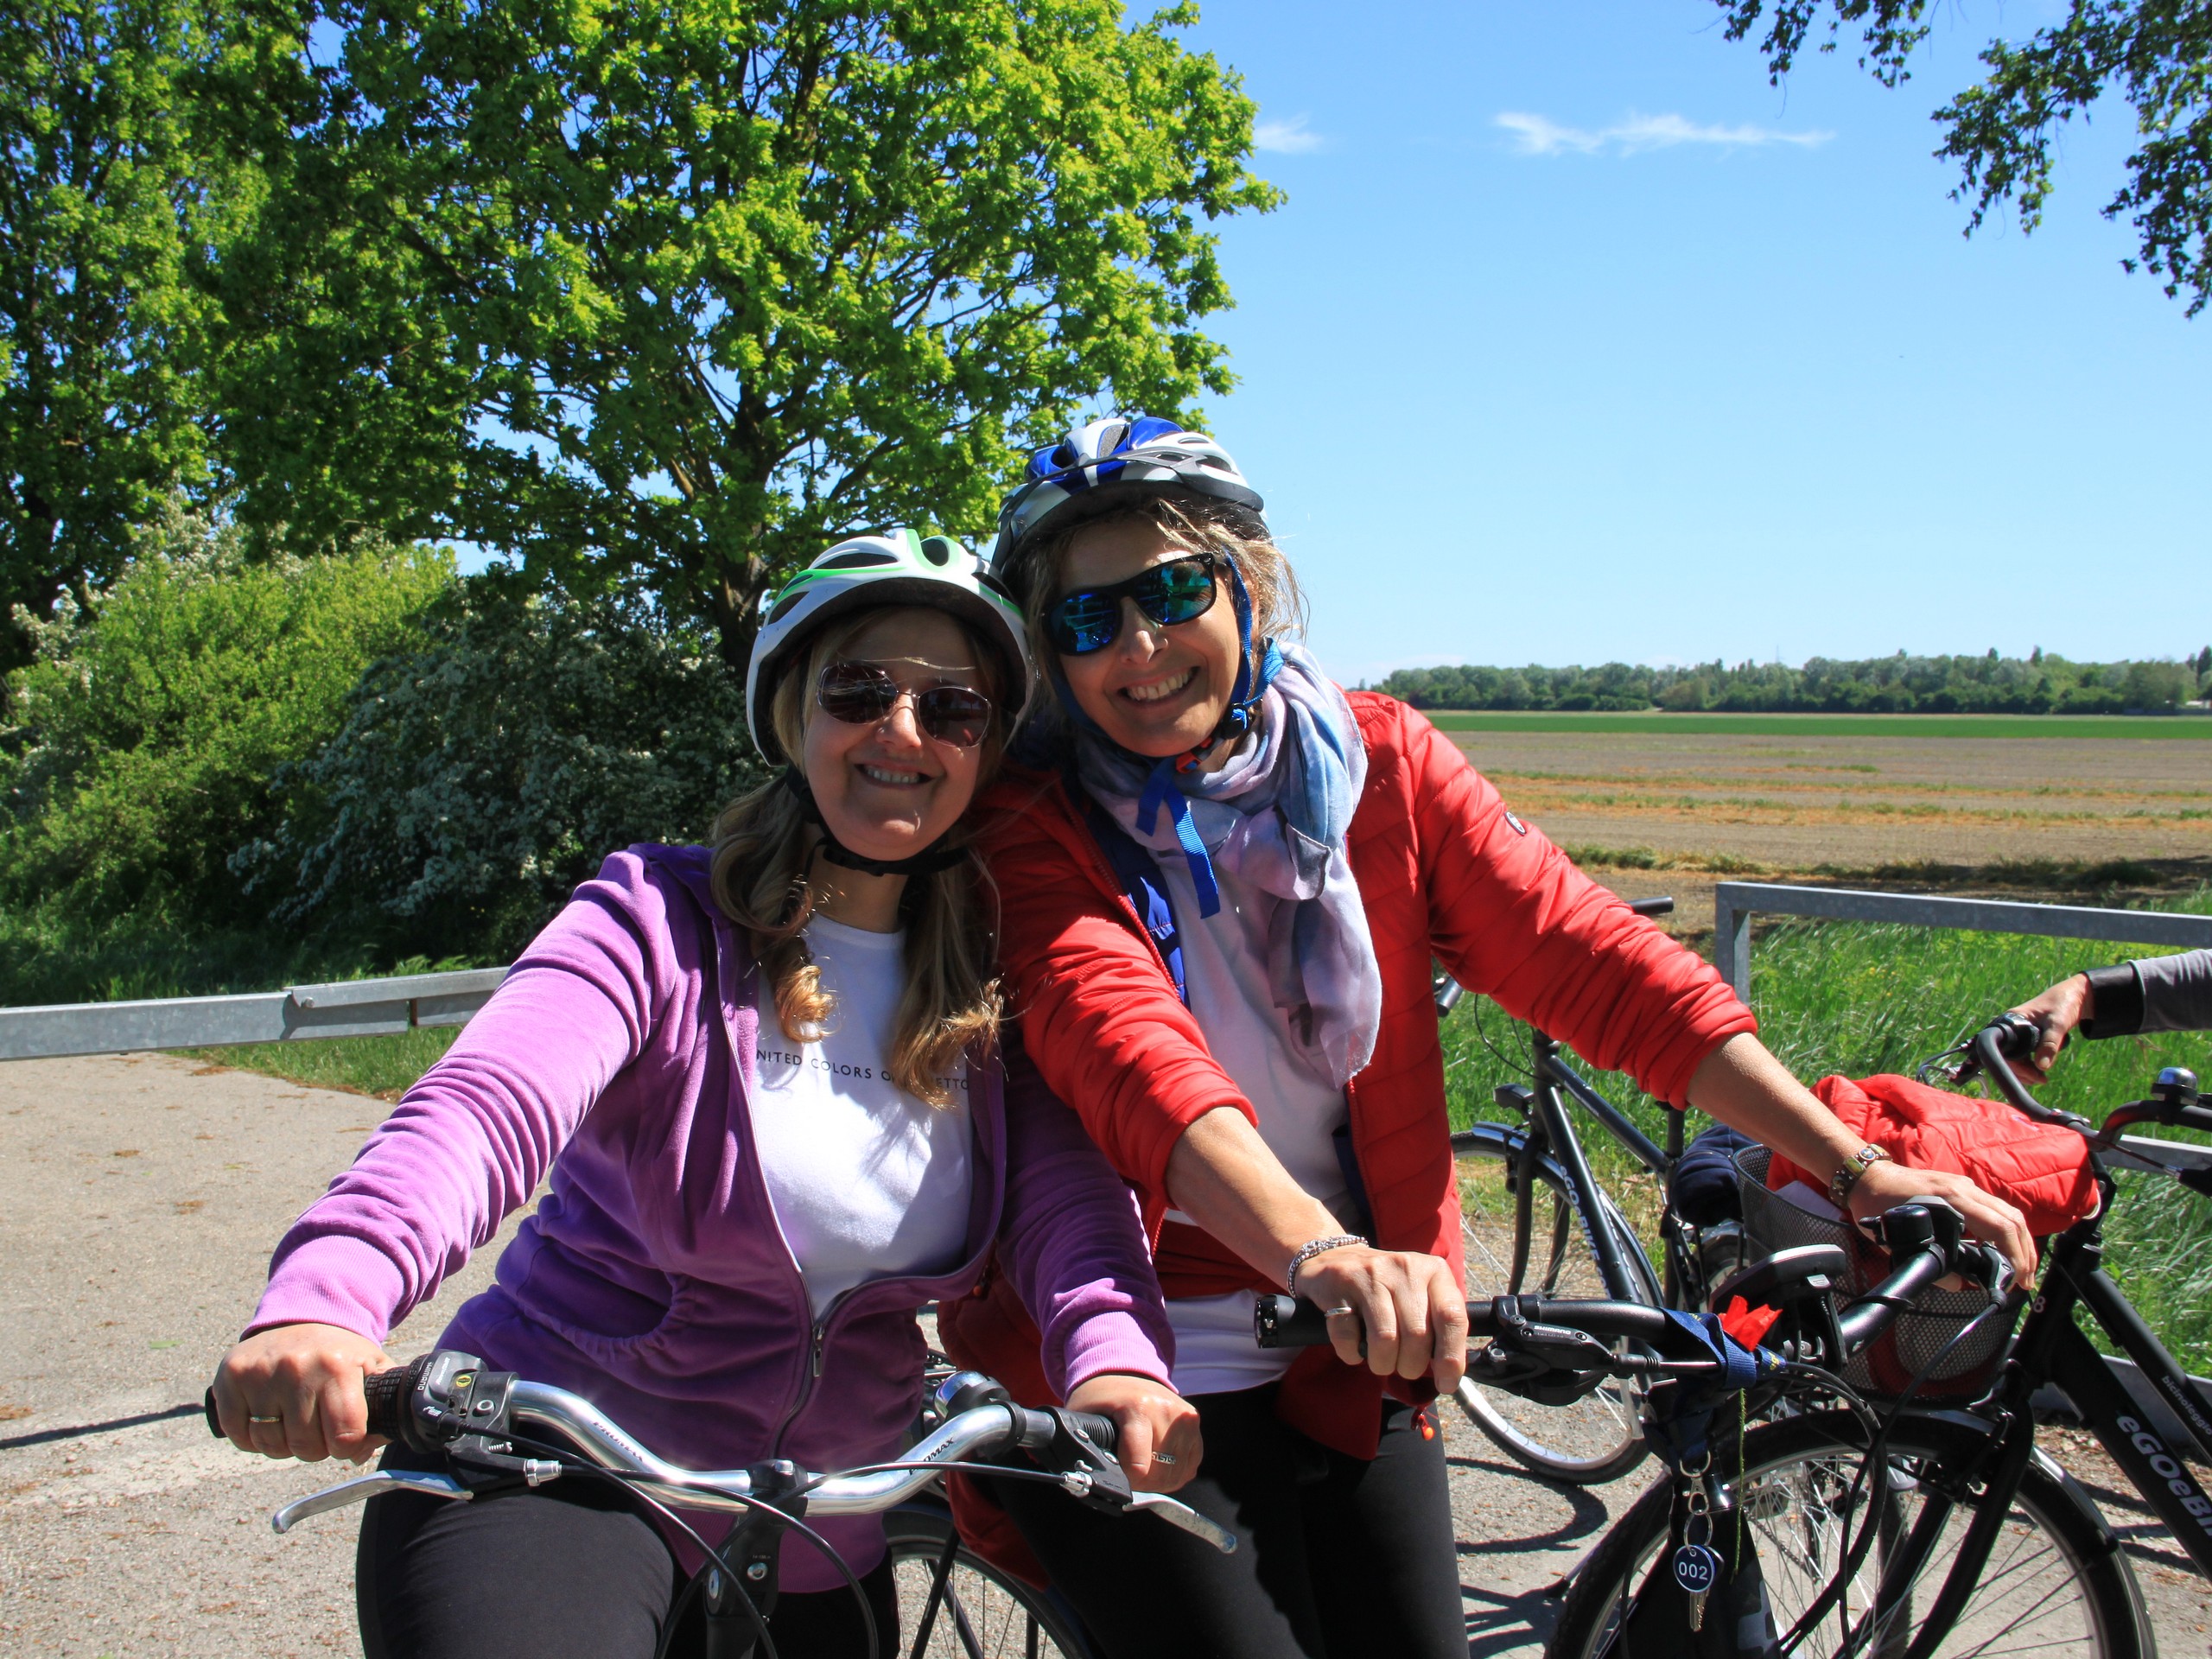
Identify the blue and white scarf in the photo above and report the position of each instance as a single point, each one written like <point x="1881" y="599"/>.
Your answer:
<point x="1274" y="818"/>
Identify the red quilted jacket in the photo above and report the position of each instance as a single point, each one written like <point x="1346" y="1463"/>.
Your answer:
<point x="2042" y="1167"/>
<point x="1446" y="872"/>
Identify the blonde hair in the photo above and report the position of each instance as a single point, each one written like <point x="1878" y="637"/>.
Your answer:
<point x="1278" y="602"/>
<point x="764" y="848"/>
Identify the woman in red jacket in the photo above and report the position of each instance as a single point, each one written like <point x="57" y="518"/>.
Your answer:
<point x="1222" y="887"/>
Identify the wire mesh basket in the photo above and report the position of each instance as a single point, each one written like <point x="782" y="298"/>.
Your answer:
<point x="1922" y="1334"/>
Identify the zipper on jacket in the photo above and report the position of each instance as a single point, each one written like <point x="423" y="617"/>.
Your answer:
<point x="809" y="1375"/>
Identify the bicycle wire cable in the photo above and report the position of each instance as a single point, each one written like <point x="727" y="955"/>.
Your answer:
<point x="629" y="1479"/>
<point x="682" y="1602"/>
<point x="993" y="1469"/>
<point x="1482" y="1036"/>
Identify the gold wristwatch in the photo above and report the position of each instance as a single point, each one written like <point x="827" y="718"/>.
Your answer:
<point x="1847" y="1174"/>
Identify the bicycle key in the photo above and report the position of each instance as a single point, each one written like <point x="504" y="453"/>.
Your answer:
<point x="1696" y="1568"/>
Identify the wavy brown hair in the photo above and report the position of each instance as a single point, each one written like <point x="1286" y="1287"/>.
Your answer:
<point x="764" y="850"/>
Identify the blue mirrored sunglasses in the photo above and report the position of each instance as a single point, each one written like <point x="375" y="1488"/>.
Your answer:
<point x="1179" y="590"/>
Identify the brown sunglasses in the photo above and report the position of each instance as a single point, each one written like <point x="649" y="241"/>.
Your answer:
<point x="862" y="694"/>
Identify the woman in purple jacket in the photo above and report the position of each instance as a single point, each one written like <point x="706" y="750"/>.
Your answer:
<point x="766" y="1085"/>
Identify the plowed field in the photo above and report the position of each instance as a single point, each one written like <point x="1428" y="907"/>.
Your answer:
<point x="2060" y="813"/>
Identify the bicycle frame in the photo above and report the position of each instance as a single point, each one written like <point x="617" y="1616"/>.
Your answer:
<point x="1550" y="1140"/>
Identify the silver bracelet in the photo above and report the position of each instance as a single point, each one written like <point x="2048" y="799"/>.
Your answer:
<point x="1312" y="1248"/>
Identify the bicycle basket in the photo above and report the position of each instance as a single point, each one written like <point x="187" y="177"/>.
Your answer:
<point x="1772" y="1223"/>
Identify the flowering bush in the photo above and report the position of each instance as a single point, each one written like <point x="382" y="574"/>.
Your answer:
<point x="478" y="778"/>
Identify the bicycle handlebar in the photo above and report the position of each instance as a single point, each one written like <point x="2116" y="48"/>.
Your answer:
<point x="452" y="1402"/>
<point x="2013" y="1037"/>
<point x="1925" y="1237"/>
<point x="1285" y="1322"/>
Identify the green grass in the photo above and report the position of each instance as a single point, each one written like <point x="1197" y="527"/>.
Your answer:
<point x="2099" y="726"/>
<point x="1858" y="999"/>
<point x="385" y="1066"/>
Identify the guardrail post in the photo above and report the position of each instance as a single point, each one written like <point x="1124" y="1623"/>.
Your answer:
<point x="1732" y="940"/>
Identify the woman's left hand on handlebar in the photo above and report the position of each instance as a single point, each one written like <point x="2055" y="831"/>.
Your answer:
<point x="1988" y="1216"/>
<point x="1160" y="1447"/>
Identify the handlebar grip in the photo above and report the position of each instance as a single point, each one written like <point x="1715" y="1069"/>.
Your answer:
<point x="386" y="1394"/>
<point x="1100" y="1431"/>
<point x="214" y="1421"/>
<point x="1652" y="906"/>
<point x="1288" y="1322"/>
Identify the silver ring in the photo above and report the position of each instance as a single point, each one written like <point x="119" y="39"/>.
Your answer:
<point x="1165" y="1457"/>
<point x="264" y="1419"/>
<point x="1340" y="1309"/>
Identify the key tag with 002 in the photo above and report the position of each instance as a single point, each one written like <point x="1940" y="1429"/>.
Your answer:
<point x="1696" y="1567"/>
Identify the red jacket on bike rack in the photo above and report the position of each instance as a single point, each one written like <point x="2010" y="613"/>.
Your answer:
<point x="1445" y="872"/>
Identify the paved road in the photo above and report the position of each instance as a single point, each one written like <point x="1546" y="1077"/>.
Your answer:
<point x="139" y="1201"/>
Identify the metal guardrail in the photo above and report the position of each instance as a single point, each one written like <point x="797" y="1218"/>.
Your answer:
<point x="1735" y="902"/>
<point x="353" y="1008"/>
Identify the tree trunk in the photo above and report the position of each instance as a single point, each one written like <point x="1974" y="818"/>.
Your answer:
<point x="735" y="602"/>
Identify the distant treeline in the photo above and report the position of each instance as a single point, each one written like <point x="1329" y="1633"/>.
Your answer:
<point x="2038" y="684"/>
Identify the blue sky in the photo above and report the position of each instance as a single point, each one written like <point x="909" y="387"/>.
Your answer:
<point x="1576" y="340"/>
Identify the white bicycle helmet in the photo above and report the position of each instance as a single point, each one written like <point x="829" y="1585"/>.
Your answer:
<point x="1095" y="466"/>
<point x="900" y="567"/>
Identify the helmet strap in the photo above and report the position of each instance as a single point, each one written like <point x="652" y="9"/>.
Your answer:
<point x="1244" y="711"/>
<point x="928" y="862"/>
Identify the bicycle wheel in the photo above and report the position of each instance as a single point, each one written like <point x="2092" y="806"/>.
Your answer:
<point x="2055" y="1584"/>
<point x="983" y="1614"/>
<point x="1597" y="1438"/>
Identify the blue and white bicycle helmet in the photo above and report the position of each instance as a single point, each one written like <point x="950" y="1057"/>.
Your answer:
<point x="900" y="567"/>
<point x="1098" y="465"/>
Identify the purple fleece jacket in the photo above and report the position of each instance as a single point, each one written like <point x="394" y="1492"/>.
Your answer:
<point x="653" y="1279"/>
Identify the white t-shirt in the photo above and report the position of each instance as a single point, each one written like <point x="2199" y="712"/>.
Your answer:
<point x="867" y="1181"/>
<point x="1225" y="973"/>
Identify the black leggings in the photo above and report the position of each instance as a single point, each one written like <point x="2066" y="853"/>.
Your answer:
<point x="1338" y="1557"/>
<point x="573" y="1570"/>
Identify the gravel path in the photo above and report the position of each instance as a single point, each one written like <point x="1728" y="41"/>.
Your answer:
<point x="139" y="1199"/>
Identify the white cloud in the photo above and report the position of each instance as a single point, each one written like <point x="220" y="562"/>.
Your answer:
<point x="1285" y="137"/>
<point x="1537" y="135"/>
<point x="1533" y="135"/>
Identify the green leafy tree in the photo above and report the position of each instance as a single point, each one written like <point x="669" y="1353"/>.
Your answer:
<point x="2156" y="53"/>
<point x="102" y="191"/>
<point x="691" y="290"/>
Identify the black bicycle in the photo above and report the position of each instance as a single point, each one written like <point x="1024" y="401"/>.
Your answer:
<point x="1565" y="1239"/>
<point x="1965" y="1538"/>
<point x="501" y="1435"/>
<point x="1824" y="1516"/>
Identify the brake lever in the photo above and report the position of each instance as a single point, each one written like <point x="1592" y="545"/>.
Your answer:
<point x="1995" y="1275"/>
<point x="364" y="1487"/>
<point x="1059" y="1443"/>
<point x="1177" y="1513"/>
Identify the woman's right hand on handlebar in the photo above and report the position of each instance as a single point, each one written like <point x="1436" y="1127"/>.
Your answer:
<point x="295" y="1391"/>
<point x="2058" y="1010"/>
<point x="1411" y="1306"/>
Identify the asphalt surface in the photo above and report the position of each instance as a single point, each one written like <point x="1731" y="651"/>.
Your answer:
<point x="139" y="1199"/>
